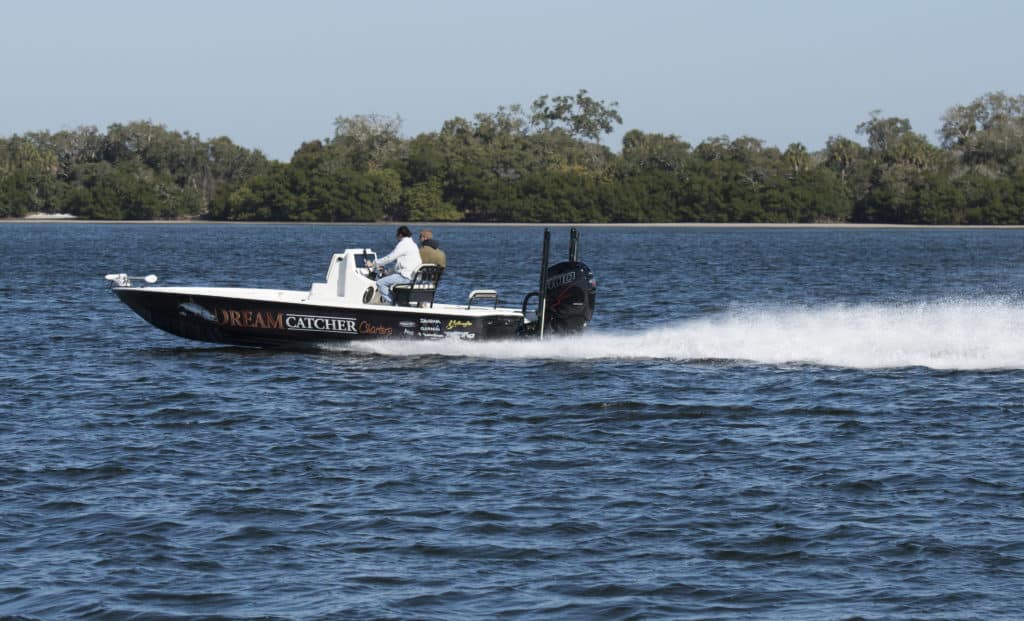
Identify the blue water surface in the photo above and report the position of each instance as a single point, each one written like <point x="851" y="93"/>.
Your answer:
<point x="781" y="423"/>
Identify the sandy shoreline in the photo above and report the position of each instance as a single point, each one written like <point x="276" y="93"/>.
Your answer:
<point x="696" y="225"/>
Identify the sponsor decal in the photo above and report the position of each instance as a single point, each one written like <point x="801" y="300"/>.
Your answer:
<point x="455" y="323"/>
<point x="407" y="324"/>
<point x="430" y="327"/>
<point x="365" y="327"/>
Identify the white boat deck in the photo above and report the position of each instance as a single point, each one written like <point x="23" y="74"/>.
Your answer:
<point x="345" y="285"/>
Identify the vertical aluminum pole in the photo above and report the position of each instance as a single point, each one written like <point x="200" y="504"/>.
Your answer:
<point x="544" y="280"/>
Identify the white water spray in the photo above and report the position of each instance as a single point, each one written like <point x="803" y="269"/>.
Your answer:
<point x="955" y="334"/>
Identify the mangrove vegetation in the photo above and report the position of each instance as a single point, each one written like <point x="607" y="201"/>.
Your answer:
<point x="544" y="164"/>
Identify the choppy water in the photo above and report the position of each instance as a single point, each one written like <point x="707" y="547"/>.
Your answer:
<point x="763" y="424"/>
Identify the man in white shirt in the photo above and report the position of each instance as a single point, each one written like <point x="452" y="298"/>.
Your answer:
<point x="406" y="256"/>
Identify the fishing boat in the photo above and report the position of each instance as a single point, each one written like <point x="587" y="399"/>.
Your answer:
<point x="346" y="306"/>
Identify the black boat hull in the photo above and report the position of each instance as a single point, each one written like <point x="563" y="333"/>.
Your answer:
<point x="263" y="323"/>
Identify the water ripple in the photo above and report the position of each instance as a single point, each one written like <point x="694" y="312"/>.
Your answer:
<point x="761" y="449"/>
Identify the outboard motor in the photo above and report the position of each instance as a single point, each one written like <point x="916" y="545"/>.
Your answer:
<point x="570" y="291"/>
<point x="566" y="295"/>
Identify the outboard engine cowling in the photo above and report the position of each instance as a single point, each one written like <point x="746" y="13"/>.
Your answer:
<point x="570" y="291"/>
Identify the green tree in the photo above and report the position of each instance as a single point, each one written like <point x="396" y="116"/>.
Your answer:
<point x="266" y="196"/>
<point x="425" y="203"/>
<point x="581" y="115"/>
<point x="642" y="152"/>
<point x="903" y="166"/>
<point x="987" y="134"/>
<point x="28" y="176"/>
<point x="368" y="140"/>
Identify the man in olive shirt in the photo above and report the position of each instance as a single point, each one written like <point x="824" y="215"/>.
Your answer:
<point x="429" y="250"/>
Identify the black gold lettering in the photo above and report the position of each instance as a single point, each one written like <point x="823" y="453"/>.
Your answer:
<point x="249" y="319"/>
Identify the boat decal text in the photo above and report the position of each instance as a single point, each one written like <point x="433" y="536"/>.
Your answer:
<point x="365" y="327"/>
<point x="561" y="280"/>
<point x="269" y="320"/>
<point x="249" y="319"/>
<point x="319" y="323"/>
<point x="430" y="327"/>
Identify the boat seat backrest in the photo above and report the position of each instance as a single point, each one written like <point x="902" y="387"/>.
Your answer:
<point x="421" y="289"/>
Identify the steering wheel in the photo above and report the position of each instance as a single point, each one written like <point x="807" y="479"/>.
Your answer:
<point x="373" y="273"/>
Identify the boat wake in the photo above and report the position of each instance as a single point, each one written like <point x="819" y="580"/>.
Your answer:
<point x="952" y="334"/>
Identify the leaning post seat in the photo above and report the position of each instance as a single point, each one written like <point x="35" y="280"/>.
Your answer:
<point x="421" y="289"/>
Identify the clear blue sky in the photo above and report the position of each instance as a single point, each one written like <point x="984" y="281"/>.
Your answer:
<point x="271" y="75"/>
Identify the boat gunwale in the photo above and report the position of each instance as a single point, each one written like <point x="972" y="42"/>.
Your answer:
<point x="303" y="298"/>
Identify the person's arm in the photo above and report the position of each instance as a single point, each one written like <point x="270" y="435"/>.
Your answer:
<point x="388" y="258"/>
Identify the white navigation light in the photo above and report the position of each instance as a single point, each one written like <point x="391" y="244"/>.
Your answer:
<point x="124" y="280"/>
<point x="119" y="280"/>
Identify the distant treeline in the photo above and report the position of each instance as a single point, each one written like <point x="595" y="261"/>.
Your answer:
<point x="542" y="165"/>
